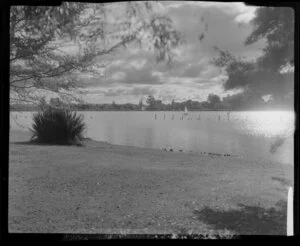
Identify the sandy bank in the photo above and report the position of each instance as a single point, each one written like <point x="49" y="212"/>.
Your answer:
<point x="105" y="188"/>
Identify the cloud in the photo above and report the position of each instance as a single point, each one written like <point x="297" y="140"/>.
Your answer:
<point x="139" y="91"/>
<point x="219" y="78"/>
<point x="143" y="76"/>
<point x="136" y="64"/>
<point x="203" y="69"/>
<point x="193" y="71"/>
<point x="267" y="97"/>
<point x="134" y="70"/>
<point x="113" y="92"/>
<point x="118" y="76"/>
<point x="157" y="73"/>
<point x="242" y="12"/>
<point x="219" y="22"/>
<point x="246" y="16"/>
<point x="117" y="63"/>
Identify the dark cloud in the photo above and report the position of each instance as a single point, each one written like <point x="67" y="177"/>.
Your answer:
<point x="140" y="91"/>
<point x="142" y="76"/>
<point x="193" y="71"/>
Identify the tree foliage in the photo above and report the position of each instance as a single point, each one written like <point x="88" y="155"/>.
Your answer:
<point x="266" y="74"/>
<point x="50" y="47"/>
<point x="276" y="25"/>
<point x="151" y="101"/>
<point x="213" y="99"/>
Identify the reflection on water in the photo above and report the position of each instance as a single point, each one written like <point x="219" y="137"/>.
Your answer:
<point x="260" y="135"/>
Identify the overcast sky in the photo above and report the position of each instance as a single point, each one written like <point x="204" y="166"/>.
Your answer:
<point x="134" y="74"/>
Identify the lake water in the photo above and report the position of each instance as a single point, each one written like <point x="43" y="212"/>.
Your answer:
<point x="266" y="135"/>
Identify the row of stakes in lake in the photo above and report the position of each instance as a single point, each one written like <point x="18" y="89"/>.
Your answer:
<point x="188" y="118"/>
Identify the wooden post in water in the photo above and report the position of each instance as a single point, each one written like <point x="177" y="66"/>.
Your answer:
<point x="164" y="116"/>
<point x="155" y="116"/>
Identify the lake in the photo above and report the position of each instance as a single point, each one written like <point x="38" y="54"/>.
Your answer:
<point x="259" y="135"/>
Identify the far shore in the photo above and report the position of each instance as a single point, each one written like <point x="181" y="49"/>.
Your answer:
<point x="106" y="188"/>
<point x="190" y="110"/>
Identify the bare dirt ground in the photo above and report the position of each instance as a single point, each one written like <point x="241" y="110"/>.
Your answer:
<point x="104" y="188"/>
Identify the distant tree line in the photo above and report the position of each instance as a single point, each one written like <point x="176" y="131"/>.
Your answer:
<point x="236" y="102"/>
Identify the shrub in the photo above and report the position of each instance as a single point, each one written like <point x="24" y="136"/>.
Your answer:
<point x="57" y="126"/>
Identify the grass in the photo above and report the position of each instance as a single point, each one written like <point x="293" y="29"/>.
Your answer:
<point x="105" y="188"/>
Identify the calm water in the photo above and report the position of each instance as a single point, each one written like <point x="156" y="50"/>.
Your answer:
<point x="257" y="135"/>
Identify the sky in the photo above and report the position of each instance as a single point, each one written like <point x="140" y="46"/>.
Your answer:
<point x="133" y="73"/>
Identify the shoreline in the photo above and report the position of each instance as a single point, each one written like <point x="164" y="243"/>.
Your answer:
<point x="174" y="111"/>
<point x="25" y="135"/>
<point x="106" y="188"/>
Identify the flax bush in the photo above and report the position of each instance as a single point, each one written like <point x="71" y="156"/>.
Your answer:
<point x="57" y="126"/>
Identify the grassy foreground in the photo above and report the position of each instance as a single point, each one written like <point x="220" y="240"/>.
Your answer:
<point x="104" y="188"/>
